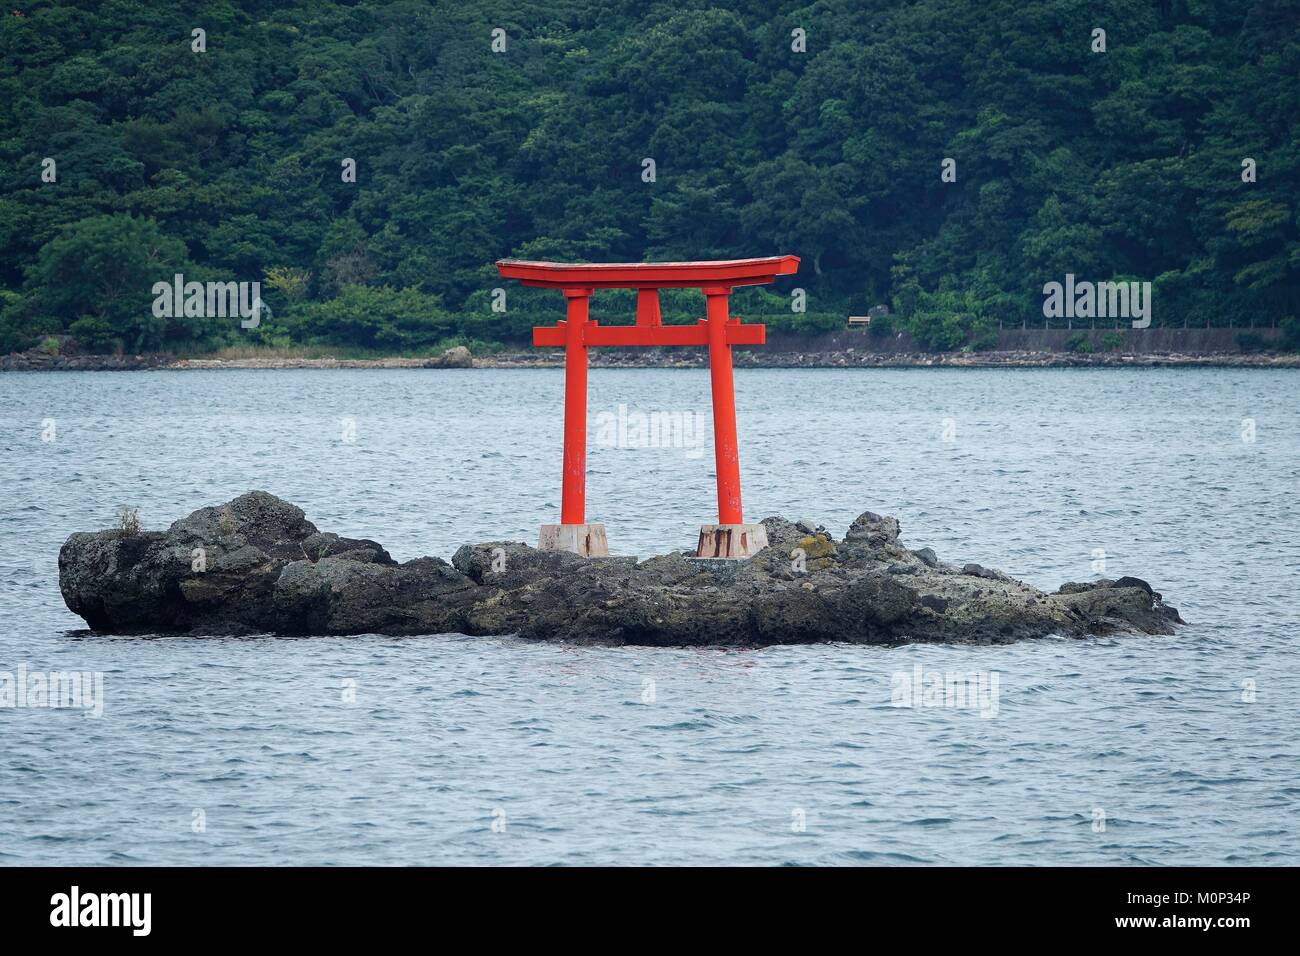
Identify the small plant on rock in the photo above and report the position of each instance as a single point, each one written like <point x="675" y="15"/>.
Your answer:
<point x="128" y="521"/>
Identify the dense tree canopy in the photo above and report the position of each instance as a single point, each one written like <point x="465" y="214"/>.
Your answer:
<point x="228" y="163"/>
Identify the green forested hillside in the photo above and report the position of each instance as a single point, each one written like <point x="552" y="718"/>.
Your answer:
<point x="226" y="164"/>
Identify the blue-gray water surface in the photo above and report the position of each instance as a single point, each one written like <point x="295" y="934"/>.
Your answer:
<point x="459" y="750"/>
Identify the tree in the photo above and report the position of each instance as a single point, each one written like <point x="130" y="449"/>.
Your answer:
<point x="97" y="277"/>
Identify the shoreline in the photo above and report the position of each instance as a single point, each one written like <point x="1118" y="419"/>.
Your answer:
<point x="672" y="358"/>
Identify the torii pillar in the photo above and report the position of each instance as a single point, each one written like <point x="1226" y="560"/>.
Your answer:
<point x="730" y="537"/>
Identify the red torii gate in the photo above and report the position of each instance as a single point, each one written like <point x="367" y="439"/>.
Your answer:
<point x="730" y="537"/>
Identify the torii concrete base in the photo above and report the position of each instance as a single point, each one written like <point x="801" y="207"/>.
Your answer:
<point x="587" y="540"/>
<point x="734" y="541"/>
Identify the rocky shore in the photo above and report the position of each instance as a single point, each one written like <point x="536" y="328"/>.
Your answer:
<point x="860" y="358"/>
<point x="460" y="357"/>
<point x="256" y="565"/>
<point x="38" y="360"/>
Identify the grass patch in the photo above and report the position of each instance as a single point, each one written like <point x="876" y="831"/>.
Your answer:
<point x="128" y="522"/>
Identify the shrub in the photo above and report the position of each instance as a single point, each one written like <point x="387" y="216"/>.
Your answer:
<point x="1252" y="342"/>
<point x="12" y="337"/>
<point x="984" y="335"/>
<point x="378" y="317"/>
<point x="939" y="331"/>
<point x="1079" y="342"/>
<point x="953" y="316"/>
<point x="1290" y="327"/>
<point x="128" y="521"/>
<point x="96" y="334"/>
<point x="882" y="327"/>
<point x="514" y="325"/>
<point x="290" y="282"/>
<point x="803" y="323"/>
<point x="11" y="340"/>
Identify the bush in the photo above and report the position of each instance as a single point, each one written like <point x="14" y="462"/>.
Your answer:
<point x="955" y="315"/>
<point x="1252" y="342"/>
<point x="984" y="335"/>
<point x="882" y="327"/>
<point x="800" y="323"/>
<point x="1079" y="342"/>
<point x="379" y="318"/>
<point x="12" y="338"/>
<point x="939" y="331"/>
<point x="1290" y="327"/>
<point x="128" y="521"/>
<point x="97" y="334"/>
<point x="513" y="325"/>
<point x="1112" y="341"/>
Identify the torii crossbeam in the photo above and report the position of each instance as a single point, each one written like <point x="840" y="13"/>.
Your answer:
<point x="730" y="537"/>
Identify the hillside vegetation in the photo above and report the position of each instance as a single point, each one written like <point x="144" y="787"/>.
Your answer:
<point x="228" y="164"/>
